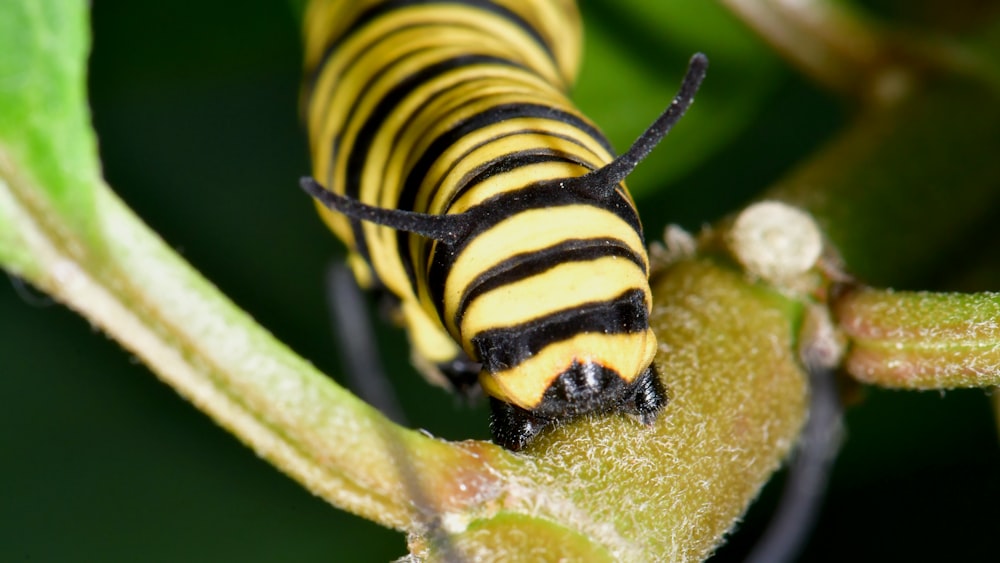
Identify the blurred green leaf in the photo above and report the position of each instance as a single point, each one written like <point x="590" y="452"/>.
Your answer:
<point x="905" y="186"/>
<point x="627" y="79"/>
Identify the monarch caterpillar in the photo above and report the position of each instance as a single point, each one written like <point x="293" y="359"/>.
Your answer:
<point x="466" y="184"/>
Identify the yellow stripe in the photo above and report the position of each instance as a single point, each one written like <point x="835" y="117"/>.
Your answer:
<point x="462" y="104"/>
<point x="336" y="89"/>
<point x="530" y="231"/>
<point x="485" y="144"/>
<point x="337" y="223"/>
<point x="521" y="176"/>
<point x="386" y="165"/>
<point x="524" y="385"/>
<point x="410" y="51"/>
<point x="562" y="287"/>
<point x="440" y="25"/>
<point x="424" y="125"/>
<point x="325" y="21"/>
<point x="460" y="84"/>
<point x="384" y="179"/>
<point x="558" y="21"/>
<point x="517" y="178"/>
<point x="426" y="335"/>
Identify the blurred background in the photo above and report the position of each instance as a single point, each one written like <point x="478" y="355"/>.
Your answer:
<point x="196" y="110"/>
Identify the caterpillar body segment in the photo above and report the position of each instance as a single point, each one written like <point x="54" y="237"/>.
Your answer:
<point x="449" y="159"/>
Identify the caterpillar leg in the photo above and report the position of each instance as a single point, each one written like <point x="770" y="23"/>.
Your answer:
<point x="435" y="353"/>
<point x="463" y="374"/>
<point x="458" y="374"/>
<point x="570" y="397"/>
<point x="513" y="427"/>
<point x="646" y="397"/>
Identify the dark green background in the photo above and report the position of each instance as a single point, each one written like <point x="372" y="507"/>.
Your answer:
<point x="196" y="111"/>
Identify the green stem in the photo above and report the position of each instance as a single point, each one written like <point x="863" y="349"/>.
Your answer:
<point x="136" y="289"/>
<point x="919" y="340"/>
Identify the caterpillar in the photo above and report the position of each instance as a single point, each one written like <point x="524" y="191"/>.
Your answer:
<point x="449" y="159"/>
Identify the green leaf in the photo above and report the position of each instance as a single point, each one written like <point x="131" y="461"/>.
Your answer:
<point x="48" y="160"/>
<point x="905" y="185"/>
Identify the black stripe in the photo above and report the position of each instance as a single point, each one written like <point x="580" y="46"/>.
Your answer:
<point x="362" y="52"/>
<point x="366" y="135"/>
<point x="504" y="348"/>
<point x="486" y="215"/>
<point x="528" y="264"/>
<point x="492" y="116"/>
<point x="484" y="171"/>
<point x="377" y="11"/>
<point x="508" y="162"/>
<point x="402" y="238"/>
<point x="539" y="150"/>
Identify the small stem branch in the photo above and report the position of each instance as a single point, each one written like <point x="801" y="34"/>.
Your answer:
<point x="920" y="340"/>
<point x="832" y="45"/>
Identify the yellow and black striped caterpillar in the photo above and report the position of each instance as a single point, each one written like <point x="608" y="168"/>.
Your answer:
<point x="466" y="184"/>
